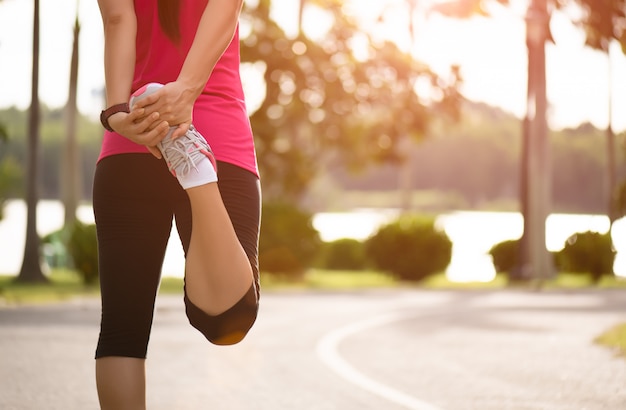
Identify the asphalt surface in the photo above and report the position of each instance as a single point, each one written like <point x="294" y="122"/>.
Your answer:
<point x="379" y="349"/>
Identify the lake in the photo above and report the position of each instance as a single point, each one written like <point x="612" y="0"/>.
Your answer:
<point x="472" y="234"/>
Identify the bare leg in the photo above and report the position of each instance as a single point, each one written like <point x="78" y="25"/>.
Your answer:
<point x="121" y="383"/>
<point x="217" y="271"/>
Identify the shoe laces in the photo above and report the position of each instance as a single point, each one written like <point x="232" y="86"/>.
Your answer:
<point x="183" y="153"/>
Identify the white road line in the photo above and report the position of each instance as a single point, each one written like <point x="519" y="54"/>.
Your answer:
<point x="328" y="353"/>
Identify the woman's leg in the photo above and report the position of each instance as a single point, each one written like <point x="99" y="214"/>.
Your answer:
<point x="222" y="265"/>
<point x="217" y="270"/>
<point x="133" y="209"/>
<point x="219" y="278"/>
<point x="121" y="383"/>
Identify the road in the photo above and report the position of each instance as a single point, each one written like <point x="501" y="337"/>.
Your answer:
<point x="374" y="349"/>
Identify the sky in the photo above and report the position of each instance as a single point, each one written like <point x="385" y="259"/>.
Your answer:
<point x="490" y="51"/>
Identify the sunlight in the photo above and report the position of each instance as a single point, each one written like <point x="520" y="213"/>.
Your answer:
<point x="391" y="20"/>
<point x="384" y="21"/>
<point x="490" y="51"/>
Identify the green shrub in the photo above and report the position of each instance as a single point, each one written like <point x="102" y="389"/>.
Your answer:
<point x="343" y="254"/>
<point x="55" y="249"/>
<point x="587" y="252"/>
<point x="82" y="246"/>
<point x="288" y="241"/>
<point x="10" y="180"/>
<point x="411" y="248"/>
<point x="505" y="255"/>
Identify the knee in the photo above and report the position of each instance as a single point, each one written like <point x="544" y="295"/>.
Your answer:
<point x="229" y="327"/>
<point x="124" y="333"/>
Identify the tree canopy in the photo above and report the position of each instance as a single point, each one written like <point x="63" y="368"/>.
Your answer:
<point x="320" y="98"/>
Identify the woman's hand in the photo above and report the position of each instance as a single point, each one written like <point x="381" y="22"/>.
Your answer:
<point x="172" y="103"/>
<point x="141" y="128"/>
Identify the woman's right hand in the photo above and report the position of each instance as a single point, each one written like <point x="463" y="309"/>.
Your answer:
<point x="147" y="131"/>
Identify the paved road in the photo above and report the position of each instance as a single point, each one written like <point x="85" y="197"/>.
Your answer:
<point x="383" y="349"/>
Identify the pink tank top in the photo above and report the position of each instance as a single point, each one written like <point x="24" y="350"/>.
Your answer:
<point x="220" y="111"/>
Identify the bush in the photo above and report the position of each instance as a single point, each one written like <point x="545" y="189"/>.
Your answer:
<point x="288" y="242"/>
<point x="82" y="246"/>
<point x="55" y="249"/>
<point x="343" y="254"/>
<point x="505" y="255"/>
<point x="10" y="180"/>
<point x="411" y="248"/>
<point x="587" y="252"/>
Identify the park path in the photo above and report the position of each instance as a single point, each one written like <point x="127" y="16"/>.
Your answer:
<point x="374" y="349"/>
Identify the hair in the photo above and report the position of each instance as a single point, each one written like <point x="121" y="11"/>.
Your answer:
<point x="169" y="11"/>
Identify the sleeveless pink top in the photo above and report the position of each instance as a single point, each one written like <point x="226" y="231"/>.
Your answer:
<point x="220" y="111"/>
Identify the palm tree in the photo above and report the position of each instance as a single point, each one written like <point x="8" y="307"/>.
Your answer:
<point x="535" y="261"/>
<point x="300" y="15"/>
<point x="603" y="23"/>
<point x="610" y="148"/>
<point x="31" y="270"/>
<point x="70" y="175"/>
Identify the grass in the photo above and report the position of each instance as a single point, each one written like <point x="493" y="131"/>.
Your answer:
<point x="66" y="284"/>
<point x="615" y="339"/>
<point x="63" y="285"/>
<point x="329" y="280"/>
<point x="576" y="281"/>
<point x="441" y="281"/>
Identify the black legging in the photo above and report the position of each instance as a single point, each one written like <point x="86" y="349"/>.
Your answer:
<point x="135" y="198"/>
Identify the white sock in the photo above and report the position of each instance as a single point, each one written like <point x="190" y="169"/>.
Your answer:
<point x="204" y="174"/>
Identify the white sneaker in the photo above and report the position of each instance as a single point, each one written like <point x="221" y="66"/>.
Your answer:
<point x="184" y="153"/>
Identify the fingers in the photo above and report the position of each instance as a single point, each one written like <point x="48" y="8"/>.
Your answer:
<point x="150" y="130"/>
<point x="181" y="130"/>
<point x="139" y="115"/>
<point x="143" y="121"/>
<point x="164" y="105"/>
<point x="155" y="151"/>
<point x="147" y="131"/>
<point x="155" y="135"/>
<point x="152" y="105"/>
<point x="148" y="100"/>
<point x="152" y="121"/>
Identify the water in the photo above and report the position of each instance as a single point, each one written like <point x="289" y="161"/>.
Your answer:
<point x="49" y="219"/>
<point x="472" y="235"/>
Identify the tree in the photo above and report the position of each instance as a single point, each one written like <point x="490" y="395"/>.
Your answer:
<point x="535" y="260"/>
<point x="70" y="171"/>
<point x="4" y="137"/>
<point x="535" y="189"/>
<point x="604" y="22"/>
<point x="322" y="101"/>
<point x="31" y="270"/>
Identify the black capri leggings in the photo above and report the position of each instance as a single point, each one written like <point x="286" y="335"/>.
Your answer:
<point x="135" y="199"/>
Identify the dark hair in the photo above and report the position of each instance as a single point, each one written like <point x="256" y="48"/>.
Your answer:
<point x="169" y="11"/>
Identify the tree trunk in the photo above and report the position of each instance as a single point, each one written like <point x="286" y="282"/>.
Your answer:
<point x="70" y="175"/>
<point x="31" y="265"/>
<point x="405" y="179"/>
<point x="300" y="16"/>
<point x="612" y="210"/>
<point x="521" y="272"/>
<point x="538" y="265"/>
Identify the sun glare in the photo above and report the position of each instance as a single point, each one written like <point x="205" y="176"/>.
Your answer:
<point x="416" y="27"/>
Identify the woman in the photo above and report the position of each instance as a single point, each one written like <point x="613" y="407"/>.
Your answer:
<point x="192" y="48"/>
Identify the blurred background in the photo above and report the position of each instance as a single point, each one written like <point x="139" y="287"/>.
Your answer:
<point x="469" y="139"/>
